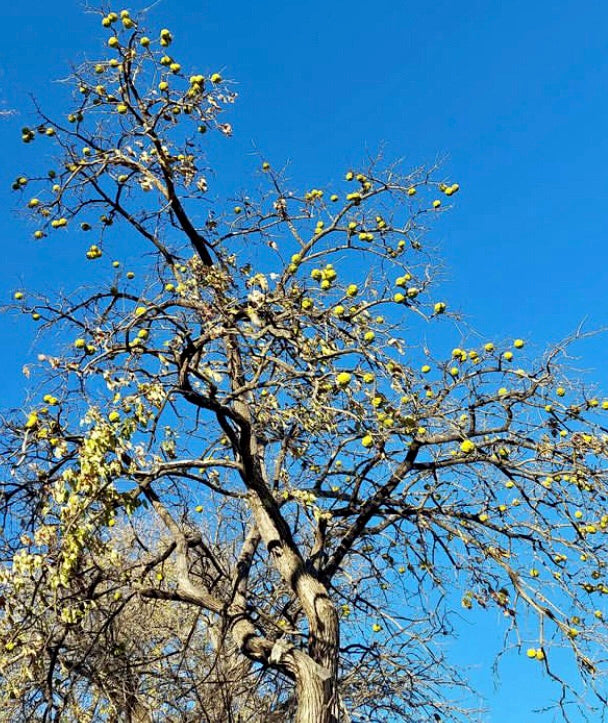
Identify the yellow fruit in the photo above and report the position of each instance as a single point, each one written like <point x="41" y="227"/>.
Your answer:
<point x="411" y="191"/>
<point x="121" y="108"/>
<point x="369" y="336"/>
<point x="376" y="627"/>
<point x="508" y="355"/>
<point x="175" y="67"/>
<point x="18" y="295"/>
<point x="467" y="446"/>
<point x="140" y="311"/>
<point x="367" y="441"/>
<point x="32" y="420"/>
<point x="489" y="347"/>
<point x="518" y="343"/>
<point x="307" y="304"/>
<point x="436" y="203"/>
<point x="399" y="298"/>
<point x="80" y="343"/>
<point x="114" y="416"/>
<point x="130" y="275"/>
<point x="343" y="379"/>
<point x="163" y="85"/>
<point x="265" y="166"/>
<point x="113" y="42"/>
<point x="198" y="508"/>
<point x="349" y="176"/>
<point x="560" y="391"/>
<point x="425" y="369"/>
<point x="216" y="78"/>
<point x="352" y="290"/>
<point x="531" y="653"/>
<point x="439" y="307"/>
<point x="144" y="42"/>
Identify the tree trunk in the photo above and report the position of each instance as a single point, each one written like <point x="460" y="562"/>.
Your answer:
<point x="316" y="695"/>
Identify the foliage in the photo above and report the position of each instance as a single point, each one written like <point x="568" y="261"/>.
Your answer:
<point x="248" y="490"/>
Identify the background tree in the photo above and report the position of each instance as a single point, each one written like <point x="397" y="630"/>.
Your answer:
<point x="247" y="490"/>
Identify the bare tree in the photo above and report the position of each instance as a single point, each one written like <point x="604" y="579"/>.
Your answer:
<point x="248" y="491"/>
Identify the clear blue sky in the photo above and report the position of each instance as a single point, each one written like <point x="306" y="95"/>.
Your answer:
<point x="512" y="94"/>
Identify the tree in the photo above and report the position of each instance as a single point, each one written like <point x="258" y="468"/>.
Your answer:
<point x="247" y="492"/>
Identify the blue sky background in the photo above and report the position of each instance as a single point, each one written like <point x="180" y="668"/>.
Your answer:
<point x="511" y="94"/>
